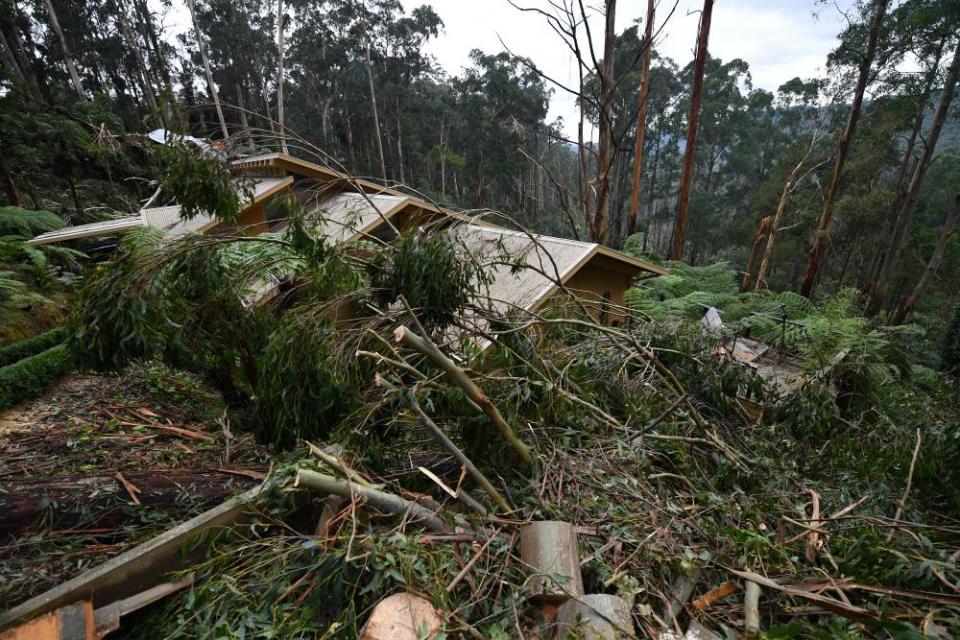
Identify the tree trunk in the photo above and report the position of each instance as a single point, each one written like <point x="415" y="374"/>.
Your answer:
<point x="909" y="302"/>
<point x="10" y="59"/>
<point x="206" y="69"/>
<point x="909" y="204"/>
<point x="605" y="150"/>
<point x="144" y="78"/>
<point x="400" y="145"/>
<point x="26" y="65"/>
<point x="9" y="186"/>
<point x="67" y="58"/>
<point x="244" y="123"/>
<point x="906" y="166"/>
<point x="641" y="121"/>
<point x="751" y="258"/>
<point x="815" y="260"/>
<point x="280" y="80"/>
<point x="150" y="37"/>
<point x="376" y="116"/>
<point x="652" y="190"/>
<point x="775" y="226"/>
<point x="699" y="66"/>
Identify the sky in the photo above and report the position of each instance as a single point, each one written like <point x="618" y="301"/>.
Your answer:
<point x="780" y="39"/>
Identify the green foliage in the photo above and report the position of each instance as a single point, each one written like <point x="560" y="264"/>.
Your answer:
<point x="200" y="184"/>
<point x="429" y="273"/>
<point x="13" y="352"/>
<point x="950" y="361"/>
<point x="27" y="378"/>
<point x="25" y="224"/>
<point x="304" y="387"/>
<point x="119" y="313"/>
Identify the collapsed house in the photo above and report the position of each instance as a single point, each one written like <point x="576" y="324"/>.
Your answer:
<point x="346" y="209"/>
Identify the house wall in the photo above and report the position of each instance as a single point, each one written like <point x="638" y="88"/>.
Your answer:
<point x="595" y="284"/>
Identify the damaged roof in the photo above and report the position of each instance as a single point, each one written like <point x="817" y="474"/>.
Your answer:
<point x="167" y="218"/>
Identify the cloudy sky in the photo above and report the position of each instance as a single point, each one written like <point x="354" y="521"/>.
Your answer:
<point x="780" y="39"/>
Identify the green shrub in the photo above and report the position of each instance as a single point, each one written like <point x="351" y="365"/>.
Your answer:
<point x="951" y="345"/>
<point x="29" y="377"/>
<point x="427" y="271"/>
<point x="303" y="389"/>
<point x="31" y="346"/>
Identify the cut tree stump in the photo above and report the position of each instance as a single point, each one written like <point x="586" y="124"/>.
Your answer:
<point x="598" y="616"/>
<point x="402" y="616"/>
<point x="551" y="552"/>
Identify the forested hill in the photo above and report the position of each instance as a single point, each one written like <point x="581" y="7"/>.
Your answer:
<point x="352" y="84"/>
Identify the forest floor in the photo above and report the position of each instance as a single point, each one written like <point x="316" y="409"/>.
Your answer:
<point x="102" y="462"/>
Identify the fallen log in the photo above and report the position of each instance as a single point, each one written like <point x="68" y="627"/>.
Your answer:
<point x="99" y="500"/>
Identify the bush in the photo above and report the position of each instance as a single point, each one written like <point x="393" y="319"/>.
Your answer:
<point x="31" y="346"/>
<point x="29" y="377"/>
<point x="304" y="389"/>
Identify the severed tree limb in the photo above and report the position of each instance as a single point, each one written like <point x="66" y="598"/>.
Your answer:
<point x="455" y="451"/>
<point x="425" y="346"/>
<point x="382" y="500"/>
<point x="751" y="608"/>
<point x="339" y="465"/>
<point x="906" y="492"/>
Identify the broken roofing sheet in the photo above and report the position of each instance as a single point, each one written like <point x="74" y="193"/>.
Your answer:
<point x="167" y="218"/>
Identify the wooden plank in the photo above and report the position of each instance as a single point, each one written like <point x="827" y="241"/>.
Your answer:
<point x="73" y="622"/>
<point x="139" y="568"/>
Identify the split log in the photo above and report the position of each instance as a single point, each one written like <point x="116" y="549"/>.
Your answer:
<point x="96" y="501"/>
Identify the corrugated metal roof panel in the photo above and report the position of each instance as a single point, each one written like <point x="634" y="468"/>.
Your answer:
<point x="344" y="216"/>
<point x="161" y="217"/>
<point x="543" y="262"/>
<point x="102" y="228"/>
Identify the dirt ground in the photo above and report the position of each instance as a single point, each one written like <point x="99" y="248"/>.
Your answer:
<point x="104" y="461"/>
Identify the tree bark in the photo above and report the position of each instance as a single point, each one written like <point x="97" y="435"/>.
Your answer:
<point x="144" y="78"/>
<point x="206" y="69"/>
<point x="605" y="150"/>
<point x="381" y="500"/>
<point x="641" y="120"/>
<point x="909" y="204"/>
<point x="376" y="116"/>
<point x="67" y="57"/>
<point x="696" y="96"/>
<point x="280" y="79"/>
<point x="751" y="258"/>
<point x="10" y="58"/>
<point x="788" y="186"/>
<point x="426" y="346"/>
<point x="909" y="303"/>
<point x="815" y="260"/>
